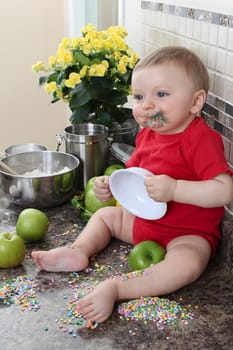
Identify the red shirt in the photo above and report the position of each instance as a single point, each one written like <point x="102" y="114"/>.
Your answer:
<point x="195" y="154"/>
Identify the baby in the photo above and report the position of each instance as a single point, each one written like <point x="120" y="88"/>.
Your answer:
<point x="169" y="90"/>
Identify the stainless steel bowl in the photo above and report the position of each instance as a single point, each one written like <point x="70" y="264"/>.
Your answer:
<point x="46" y="178"/>
<point x="24" y="147"/>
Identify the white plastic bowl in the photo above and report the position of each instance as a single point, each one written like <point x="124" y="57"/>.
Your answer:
<point x="127" y="186"/>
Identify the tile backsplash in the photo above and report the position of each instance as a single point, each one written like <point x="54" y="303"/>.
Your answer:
<point x="210" y="35"/>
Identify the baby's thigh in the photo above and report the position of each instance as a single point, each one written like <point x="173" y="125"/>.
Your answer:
<point x="120" y="223"/>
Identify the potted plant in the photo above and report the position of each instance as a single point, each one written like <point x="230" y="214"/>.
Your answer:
<point x="92" y="74"/>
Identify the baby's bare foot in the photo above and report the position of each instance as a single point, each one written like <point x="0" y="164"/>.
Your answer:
<point x="97" y="306"/>
<point x="61" y="259"/>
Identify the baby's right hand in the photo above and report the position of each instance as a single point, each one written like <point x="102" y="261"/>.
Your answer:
<point x="101" y="188"/>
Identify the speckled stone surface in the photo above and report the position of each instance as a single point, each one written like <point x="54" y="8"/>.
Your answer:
<point x="211" y="299"/>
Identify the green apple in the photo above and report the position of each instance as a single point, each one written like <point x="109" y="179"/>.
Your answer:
<point x="92" y="203"/>
<point x="12" y="250"/>
<point x="63" y="183"/>
<point x="67" y="181"/>
<point x="90" y="184"/>
<point x="32" y="224"/>
<point x="145" y="254"/>
<point x="111" y="168"/>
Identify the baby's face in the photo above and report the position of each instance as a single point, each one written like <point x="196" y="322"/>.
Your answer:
<point x="163" y="98"/>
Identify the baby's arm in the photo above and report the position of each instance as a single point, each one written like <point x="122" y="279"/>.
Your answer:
<point x="211" y="193"/>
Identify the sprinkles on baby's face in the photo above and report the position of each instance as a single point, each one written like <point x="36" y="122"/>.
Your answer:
<point x="155" y="121"/>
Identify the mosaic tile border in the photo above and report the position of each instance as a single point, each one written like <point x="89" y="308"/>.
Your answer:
<point x="216" y="112"/>
<point x="200" y="15"/>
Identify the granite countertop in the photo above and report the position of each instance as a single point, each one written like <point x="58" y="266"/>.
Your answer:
<point x="49" y="323"/>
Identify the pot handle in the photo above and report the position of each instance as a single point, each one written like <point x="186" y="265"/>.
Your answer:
<point x="110" y="141"/>
<point x="59" y="138"/>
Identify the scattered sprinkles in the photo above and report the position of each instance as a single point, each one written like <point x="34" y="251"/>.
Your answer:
<point x="20" y="291"/>
<point x="163" y="312"/>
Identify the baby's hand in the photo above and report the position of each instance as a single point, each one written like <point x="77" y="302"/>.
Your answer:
<point x="161" y="188"/>
<point x="101" y="188"/>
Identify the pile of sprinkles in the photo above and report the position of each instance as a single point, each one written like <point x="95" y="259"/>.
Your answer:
<point x="163" y="312"/>
<point x="20" y="291"/>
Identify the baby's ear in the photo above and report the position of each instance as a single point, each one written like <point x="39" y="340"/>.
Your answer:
<point x="198" y="101"/>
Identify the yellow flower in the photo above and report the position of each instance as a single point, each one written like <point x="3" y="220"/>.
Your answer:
<point x="97" y="70"/>
<point x="105" y="64"/>
<point x="52" y="60"/>
<point x="74" y="79"/>
<point x="122" y="67"/>
<point x="50" y="87"/>
<point x="65" y="43"/>
<point x="38" y="66"/>
<point x="87" y="49"/>
<point x="88" y="28"/>
<point x="83" y="71"/>
<point x="75" y="42"/>
<point x="59" y="94"/>
<point x="64" y="57"/>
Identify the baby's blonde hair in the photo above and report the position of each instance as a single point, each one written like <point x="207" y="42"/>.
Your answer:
<point x="183" y="57"/>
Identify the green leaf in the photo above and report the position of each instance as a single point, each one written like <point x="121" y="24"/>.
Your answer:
<point x="78" y="202"/>
<point x="104" y="118"/>
<point x="80" y="95"/>
<point x="60" y="77"/>
<point x="42" y="80"/>
<point x="101" y="88"/>
<point x="118" y="98"/>
<point x="70" y="69"/>
<point x="55" y="99"/>
<point x="121" y="114"/>
<point x="80" y="114"/>
<point x="126" y="78"/>
<point x="52" y="77"/>
<point x="81" y="58"/>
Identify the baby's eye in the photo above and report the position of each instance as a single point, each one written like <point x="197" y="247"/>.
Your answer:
<point x="137" y="97"/>
<point x="161" y="94"/>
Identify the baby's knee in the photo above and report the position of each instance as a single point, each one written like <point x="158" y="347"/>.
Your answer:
<point x="193" y="266"/>
<point x="106" y="212"/>
<point x="109" y="215"/>
<point x="194" y="270"/>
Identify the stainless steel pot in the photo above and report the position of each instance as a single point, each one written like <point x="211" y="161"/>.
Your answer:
<point x="89" y="143"/>
<point x="24" y="147"/>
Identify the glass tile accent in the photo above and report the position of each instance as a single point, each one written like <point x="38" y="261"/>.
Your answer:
<point x="201" y="15"/>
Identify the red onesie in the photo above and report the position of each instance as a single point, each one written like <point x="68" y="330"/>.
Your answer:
<point x="195" y="154"/>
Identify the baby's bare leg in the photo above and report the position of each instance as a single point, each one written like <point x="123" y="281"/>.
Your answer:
<point x="185" y="260"/>
<point x="106" y="223"/>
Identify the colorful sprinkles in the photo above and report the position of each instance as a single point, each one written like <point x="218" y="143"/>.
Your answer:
<point x="20" y="291"/>
<point x="163" y="312"/>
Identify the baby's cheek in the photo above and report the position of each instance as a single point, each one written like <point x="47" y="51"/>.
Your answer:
<point x="139" y="120"/>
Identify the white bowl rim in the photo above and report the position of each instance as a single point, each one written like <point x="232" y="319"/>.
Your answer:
<point x="160" y="207"/>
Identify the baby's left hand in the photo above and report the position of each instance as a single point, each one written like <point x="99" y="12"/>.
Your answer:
<point x="161" y="188"/>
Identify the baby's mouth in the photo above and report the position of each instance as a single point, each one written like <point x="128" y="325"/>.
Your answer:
<point x="155" y="121"/>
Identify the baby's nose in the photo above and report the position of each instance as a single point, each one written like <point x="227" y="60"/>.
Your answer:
<point x="148" y="103"/>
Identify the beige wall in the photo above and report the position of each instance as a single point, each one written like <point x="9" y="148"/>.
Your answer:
<point x="30" y="30"/>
